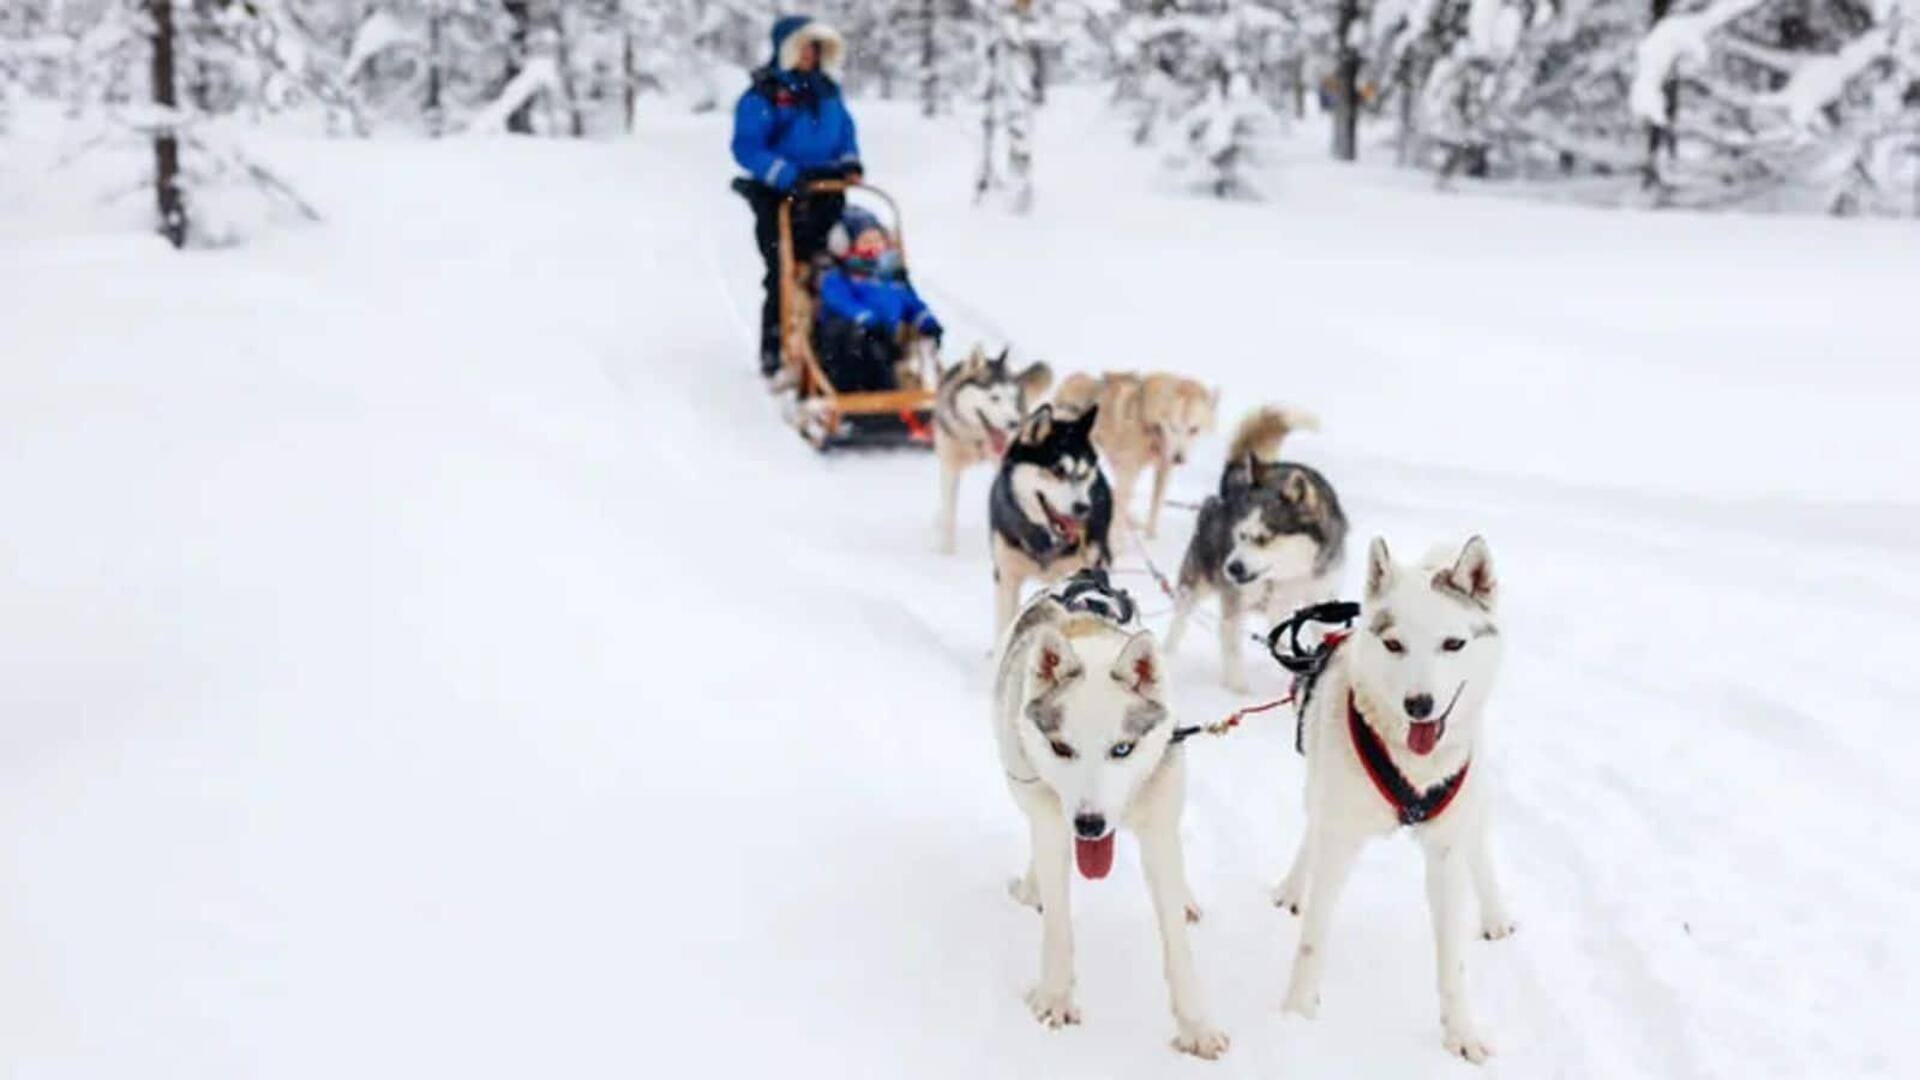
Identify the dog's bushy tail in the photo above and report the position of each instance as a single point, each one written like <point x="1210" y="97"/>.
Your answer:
<point x="1264" y="429"/>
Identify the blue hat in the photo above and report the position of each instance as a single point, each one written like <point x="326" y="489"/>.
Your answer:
<point x="792" y="32"/>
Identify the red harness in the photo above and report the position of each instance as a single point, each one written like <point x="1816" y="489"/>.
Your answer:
<point x="1411" y="806"/>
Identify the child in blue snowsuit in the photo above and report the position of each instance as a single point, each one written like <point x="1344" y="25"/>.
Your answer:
<point x="792" y="126"/>
<point x="865" y="303"/>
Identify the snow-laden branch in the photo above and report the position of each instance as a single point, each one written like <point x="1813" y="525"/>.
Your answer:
<point x="1819" y="82"/>
<point x="538" y="76"/>
<point x="1673" y="39"/>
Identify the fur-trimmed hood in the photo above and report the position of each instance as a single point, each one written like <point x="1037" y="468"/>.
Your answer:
<point x="793" y="33"/>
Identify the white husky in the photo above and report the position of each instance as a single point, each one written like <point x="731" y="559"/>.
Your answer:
<point x="1085" y="739"/>
<point x="1391" y="733"/>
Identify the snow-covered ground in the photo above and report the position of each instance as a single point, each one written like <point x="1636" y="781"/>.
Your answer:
<point x="427" y="655"/>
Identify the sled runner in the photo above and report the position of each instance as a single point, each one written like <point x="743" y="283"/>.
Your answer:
<point x="829" y="418"/>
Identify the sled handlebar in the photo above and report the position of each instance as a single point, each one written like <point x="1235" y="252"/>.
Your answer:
<point x="841" y="187"/>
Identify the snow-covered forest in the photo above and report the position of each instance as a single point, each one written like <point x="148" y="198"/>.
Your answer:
<point x="428" y="648"/>
<point x="1799" y="104"/>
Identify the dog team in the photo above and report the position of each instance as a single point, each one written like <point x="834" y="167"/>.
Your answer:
<point x="1081" y="717"/>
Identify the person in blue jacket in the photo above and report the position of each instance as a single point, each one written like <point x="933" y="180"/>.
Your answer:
<point x="792" y="126"/>
<point x="865" y="304"/>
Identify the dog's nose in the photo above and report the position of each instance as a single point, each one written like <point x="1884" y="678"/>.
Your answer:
<point x="1237" y="569"/>
<point x="1179" y="459"/>
<point x="1419" y="706"/>
<point x="1080" y="509"/>
<point x="1090" y="826"/>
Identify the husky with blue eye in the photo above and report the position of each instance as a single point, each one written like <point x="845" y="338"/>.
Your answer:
<point x="1050" y="507"/>
<point x="1086" y="740"/>
<point x="1391" y="734"/>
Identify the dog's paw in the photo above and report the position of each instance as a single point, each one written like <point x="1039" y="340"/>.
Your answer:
<point x="1495" y="929"/>
<point x="1465" y="1043"/>
<point x="1302" y="1001"/>
<point x="1054" y="1008"/>
<point x="1201" y="1041"/>
<point x="1024" y="892"/>
<point x="1286" y="897"/>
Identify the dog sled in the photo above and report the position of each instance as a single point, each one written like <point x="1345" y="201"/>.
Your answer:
<point x="825" y="416"/>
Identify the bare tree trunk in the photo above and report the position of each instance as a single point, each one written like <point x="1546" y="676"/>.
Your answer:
<point x="520" y="120"/>
<point x="436" y="108"/>
<point x="1660" y="137"/>
<point x="929" y="58"/>
<point x="1346" y="84"/>
<point x="629" y="96"/>
<point x="563" y="56"/>
<point x="166" y="146"/>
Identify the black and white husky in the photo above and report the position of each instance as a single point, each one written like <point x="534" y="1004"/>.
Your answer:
<point x="1085" y="736"/>
<point x="1271" y="541"/>
<point x="976" y="411"/>
<point x="1391" y="734"/>
<point x="1050" y="508"/>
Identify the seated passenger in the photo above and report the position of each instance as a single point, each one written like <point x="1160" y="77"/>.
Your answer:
<point x="865" y="304"/>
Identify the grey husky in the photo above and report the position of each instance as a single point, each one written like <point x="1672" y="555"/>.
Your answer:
<point x="1271" y="541"/>
<point x="976" y="412"/>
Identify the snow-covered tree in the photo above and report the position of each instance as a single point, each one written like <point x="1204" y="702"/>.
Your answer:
<point x="1009" y="89"/>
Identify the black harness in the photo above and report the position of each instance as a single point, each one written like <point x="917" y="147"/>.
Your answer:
<point x="1307" y="665"/>
<point x="1090" y="591"/>
<point x="1410" y="805"/>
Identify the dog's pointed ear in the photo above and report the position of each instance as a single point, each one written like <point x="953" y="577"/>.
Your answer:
<point x="1471" y="576"/>
<point x="1005" y="351"/>
<point x="1034" y="379"/>
<point x="976" y="359"/>
<point x="1052" y="666"/>
<point x="1238" y="475"/>
<point x="1298" y="489"/>
<point x="1037" y="426"/>
<point x="1379" y="568"/>
<point x="1085" y="420"/>
<point x="1138" y="666"/>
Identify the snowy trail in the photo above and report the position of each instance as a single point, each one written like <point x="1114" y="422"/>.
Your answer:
<point x="451" y="665"/>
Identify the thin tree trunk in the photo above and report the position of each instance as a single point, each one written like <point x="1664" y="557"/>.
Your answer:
<point x="436" y="109"/>
<point x="929" y="58"/>
<point x="166" y="146"/>
<point x="1346" y="85"/>
<point x="563" y="55"/>
<point x="628" y="92"/>
<point x="1660" y="137"/>
<point x="520" y="120"/>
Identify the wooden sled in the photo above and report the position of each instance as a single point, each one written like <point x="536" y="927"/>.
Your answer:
<point x="827" y="418"/>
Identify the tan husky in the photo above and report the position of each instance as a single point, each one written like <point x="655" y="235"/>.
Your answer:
<point x="1145" y="421"/>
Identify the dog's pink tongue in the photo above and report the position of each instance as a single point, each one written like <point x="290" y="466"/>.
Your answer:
<point x="1095" y="857"/>
<point x="1422" y="737"/>
<point x="997" y="439"/>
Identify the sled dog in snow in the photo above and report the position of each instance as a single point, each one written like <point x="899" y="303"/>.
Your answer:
<point x="1050" y="507"/>
<point x="1391" y="735"/>
<point x="1271" y="541"/>
<point x="1146" y="422"/>
<point x="976" y="411"/>
<point x="1081" y="722"/>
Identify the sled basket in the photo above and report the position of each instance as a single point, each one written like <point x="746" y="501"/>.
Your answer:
<point x="825" y="417"/>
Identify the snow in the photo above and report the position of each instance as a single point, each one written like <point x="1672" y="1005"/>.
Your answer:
<point x="427" y="655"/>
